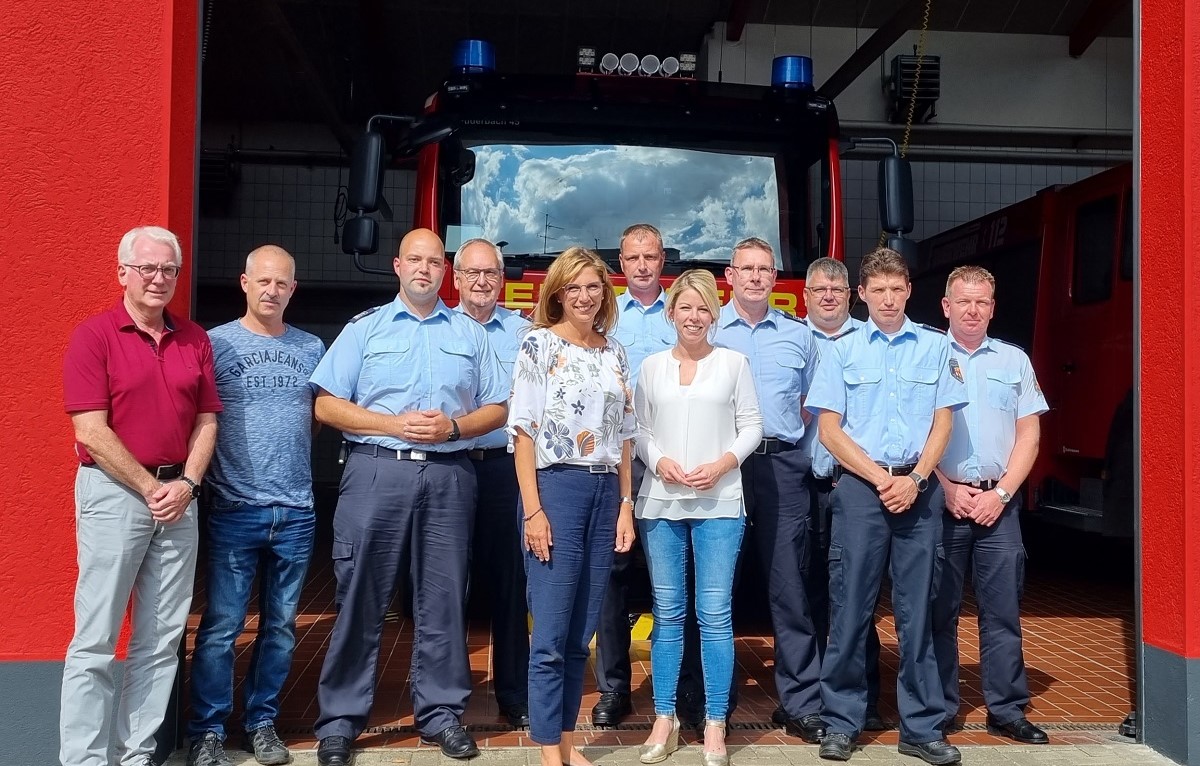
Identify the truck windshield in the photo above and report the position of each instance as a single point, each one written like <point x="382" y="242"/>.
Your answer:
<point x="542" y="198"/>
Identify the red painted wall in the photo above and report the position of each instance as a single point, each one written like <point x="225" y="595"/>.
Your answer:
<point x="1170" y="344"/>
<point x="98" y="129"/>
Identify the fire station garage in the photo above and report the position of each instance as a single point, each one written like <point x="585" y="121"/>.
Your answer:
<point x="1054" y="143"/>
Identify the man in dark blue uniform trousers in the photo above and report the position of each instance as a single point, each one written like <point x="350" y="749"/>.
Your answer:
<point x="884" y="396"/>
<point x="992" y="448"/>
<point x="827" y="308"/>
<point x="497" y="566"/>
<point x="405" y="383"/>
<point x="643" y="329"/>
<point x="782" y="356"/>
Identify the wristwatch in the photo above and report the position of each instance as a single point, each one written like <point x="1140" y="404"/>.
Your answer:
<point x="1003" y="493"/>
<point x="193" y="485"/>
<point x="921" y="482"/>
<point x="626" y="500"/>
<point x="454" y="433"/>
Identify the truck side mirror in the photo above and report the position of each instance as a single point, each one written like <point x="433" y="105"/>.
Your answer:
<point x="906" y="247"/>
<point x="360" y="236"/>
<point x="895" y="195"/>
<point x="365" y="186"/>
<point x="462" y="165"/>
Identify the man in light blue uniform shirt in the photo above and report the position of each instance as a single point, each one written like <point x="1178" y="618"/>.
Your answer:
<point x="642" y="329"/>
<point x="827" y="305"/>
<point x="408" y="384"/>
<point x="261" y="511"/>
<point x="497" y="567"/>
<point x="884" y="396"/>
<point x="992" y="448"/>
<point x="783" y="357"/>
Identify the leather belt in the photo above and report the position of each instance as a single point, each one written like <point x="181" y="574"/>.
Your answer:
<point x="984" y="485"/>
<point x="770" y="446"/>
<point x="160" y="472"/>
<point x="893" y="470"/>
<point x="488" y="453"/>
<point x="420" y="456"/>
<point x="594" y="468"/>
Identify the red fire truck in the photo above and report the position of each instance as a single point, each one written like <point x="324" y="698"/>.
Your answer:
<point x="540" y="163"/>
<point x="1063" y="261"/>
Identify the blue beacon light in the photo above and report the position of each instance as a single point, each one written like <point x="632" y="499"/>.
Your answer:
<point x="474" y="57"/>
<point x="792" y="72"/>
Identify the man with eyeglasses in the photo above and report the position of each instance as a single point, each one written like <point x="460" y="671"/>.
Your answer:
<point x="497" y="566"/>
<point x="138" y="384"/>
<point x="260" y="518"/>
<point x="643" y="329"/>
<point x="827" y="303"/>
<point x="782" y="357"/>
<point x="408" y="384"/>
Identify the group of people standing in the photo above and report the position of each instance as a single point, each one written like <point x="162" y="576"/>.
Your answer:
<point x="532" y="459"/>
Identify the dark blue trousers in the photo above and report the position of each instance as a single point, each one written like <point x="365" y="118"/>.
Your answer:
<point x="779" y="508"/>
<point x="996" y="556"/>
<point x="565" y="593"/>
<point x="816" y="583"/>
<point x="498" y="568"/>
<point x="863" y="534"/>
<point x="613" y="671"/>
<point x="389" y="510"/>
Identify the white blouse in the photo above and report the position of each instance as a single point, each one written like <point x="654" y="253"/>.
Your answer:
<point x="695" y="424"/>
<point x="574" y="402"/>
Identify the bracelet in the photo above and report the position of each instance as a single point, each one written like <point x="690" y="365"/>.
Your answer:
<point x="530" y="516"/>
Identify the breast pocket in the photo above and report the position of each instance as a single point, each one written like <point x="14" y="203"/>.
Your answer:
<point x="918" y="390"/>
<point x="1002" y="389"/>
<point x="862" y="386"/>
<point x="789" y="373"/>
<point x="458" y="364"/>
<point x="384" y="363"/>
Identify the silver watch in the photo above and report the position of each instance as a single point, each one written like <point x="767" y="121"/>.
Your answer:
<point x="1003" y="493"/>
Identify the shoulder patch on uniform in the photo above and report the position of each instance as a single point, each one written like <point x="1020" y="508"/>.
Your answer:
<point x="931" y="328"/>
<point x="841" y="335"/>
<point x="792" y="317"/>
<point x="362" y="314"/>
<point x="1008" y="343"/>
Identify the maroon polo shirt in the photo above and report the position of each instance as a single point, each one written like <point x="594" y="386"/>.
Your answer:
<point x="152" y="392"/>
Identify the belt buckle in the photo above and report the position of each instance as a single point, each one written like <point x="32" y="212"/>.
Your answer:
<point x="761" y="449"/>
<point x="417" y="454"/>
<point x="598" y="468"/>
<point x="160" y="472"/>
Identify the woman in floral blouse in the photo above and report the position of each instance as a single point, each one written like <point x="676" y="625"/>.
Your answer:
<point x="572" y="426"/>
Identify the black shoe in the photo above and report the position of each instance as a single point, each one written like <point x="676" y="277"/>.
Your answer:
<point x="874" y="721"/>
<point x="454" y="741"/>
<point x="1021" y="730"/>
<point x="836" y="747"/>
<point x="938" y="752"/>
<point x="333" y="751"/>
<point x="809" y="728"/>
<point x="208" y="751"/>
<point x="267" y="747"/>
<point x="517" y="715"/>
<point x="689" y="709"/>
<point x="951" y="726"/>
<point x="612" y="707"/>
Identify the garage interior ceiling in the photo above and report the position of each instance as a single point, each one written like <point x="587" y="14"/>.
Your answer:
<point x="336" y="62"/>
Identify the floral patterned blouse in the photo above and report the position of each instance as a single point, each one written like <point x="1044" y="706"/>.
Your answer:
<point x="574" y="402"/>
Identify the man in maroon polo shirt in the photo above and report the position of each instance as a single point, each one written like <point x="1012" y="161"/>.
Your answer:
<point x="140" y="391"/>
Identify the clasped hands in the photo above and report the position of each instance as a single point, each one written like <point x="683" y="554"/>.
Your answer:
<point x="703" y="477"/>
<point x="979" y="505"/>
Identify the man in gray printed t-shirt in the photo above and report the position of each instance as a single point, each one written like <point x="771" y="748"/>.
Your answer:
<point x="262" y="509"/>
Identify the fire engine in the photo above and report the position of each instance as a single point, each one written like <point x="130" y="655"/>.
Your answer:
<point x="539" y="163"/>
<point x="1063" y="262"/>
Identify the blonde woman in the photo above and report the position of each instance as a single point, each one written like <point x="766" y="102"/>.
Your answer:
<point x="571" y="423"/>
<point x="698" y="419"/>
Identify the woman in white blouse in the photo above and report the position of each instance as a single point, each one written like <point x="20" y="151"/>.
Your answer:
<point x="698" y="419"/>
<point x="572" y="427"/>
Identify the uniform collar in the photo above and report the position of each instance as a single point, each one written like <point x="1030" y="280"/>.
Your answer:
<point x="499" y="314"/>
<point x="399" y="307"/>
<point x="872" y="329"/>
<point x="986" y="345"/>
<point x="626" y="299"/>
<point x="848" y="325"/>
<point x="730" y="316"/>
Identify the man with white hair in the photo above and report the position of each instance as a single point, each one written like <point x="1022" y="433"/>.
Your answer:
<point x="138" y="384"/>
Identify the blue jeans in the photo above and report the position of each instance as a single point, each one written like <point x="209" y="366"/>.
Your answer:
<point x="714" y="545"/>
<point x="565" y="592"/>
<point x="239" y="536"/>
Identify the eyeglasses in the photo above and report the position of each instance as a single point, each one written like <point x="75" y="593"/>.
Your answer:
<point x="572" y="291"/>
<point x="749" y="272"/>
<point x="474" y="275"/>
<point x="837" y="291"/>
<point x="169" y="271"/>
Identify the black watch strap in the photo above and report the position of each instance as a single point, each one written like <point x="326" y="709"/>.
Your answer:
<point x="454" y="432"/>
<point x="193" y="485"/>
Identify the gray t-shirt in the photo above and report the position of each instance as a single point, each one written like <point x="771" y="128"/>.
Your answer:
<point x="264" y="435"/>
